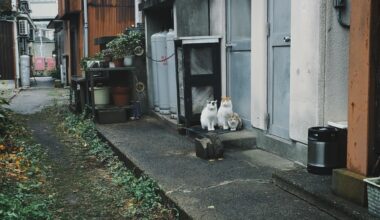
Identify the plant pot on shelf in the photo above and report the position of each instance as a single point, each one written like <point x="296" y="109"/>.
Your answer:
<point x="128" y="60"/>
<point x="118" y="62"/>
<point x="120" y="95"/>
<point x="101" y="95"/>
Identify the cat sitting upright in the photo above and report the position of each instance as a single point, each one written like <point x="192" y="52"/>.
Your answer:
<point x="224" y="111"/>
<point x="234" y="122"/>
<point x="209" y="116"/>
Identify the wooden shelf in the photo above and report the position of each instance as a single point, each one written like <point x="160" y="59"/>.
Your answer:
<point x="127" y="68"/>
<point x="97" y="107"/>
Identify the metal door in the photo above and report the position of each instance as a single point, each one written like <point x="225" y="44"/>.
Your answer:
<point x="278" y="67"/>
<point x="238" y="47"/>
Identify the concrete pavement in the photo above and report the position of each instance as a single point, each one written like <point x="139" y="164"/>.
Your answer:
<point x="238" y="187"/>
<point x="40" y="95"/>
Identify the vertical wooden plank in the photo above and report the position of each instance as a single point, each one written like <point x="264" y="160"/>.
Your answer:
<point x="7" y="50"/>
<point x="108" y="18"/>
<point x="360" y="113"/>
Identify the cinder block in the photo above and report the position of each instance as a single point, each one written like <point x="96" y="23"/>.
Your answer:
<point x="350" y="186"/>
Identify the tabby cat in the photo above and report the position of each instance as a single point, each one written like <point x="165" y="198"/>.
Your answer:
<point x="234" y="122"/>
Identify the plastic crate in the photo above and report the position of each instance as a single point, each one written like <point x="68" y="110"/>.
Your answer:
<point x="373" y="193"/>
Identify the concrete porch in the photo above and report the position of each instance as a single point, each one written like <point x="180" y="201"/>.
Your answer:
<point x="238" y="187"/>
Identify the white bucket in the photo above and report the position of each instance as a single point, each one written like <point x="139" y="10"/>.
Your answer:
<point x="101" y="95"/>
<point x="128" y="61"/>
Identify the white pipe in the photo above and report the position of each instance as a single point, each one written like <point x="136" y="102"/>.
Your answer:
<point x="138" y="14"/>
<point x="17" y="62"/>
<point x="85" y="38"/>
<point x="14" y="5"/>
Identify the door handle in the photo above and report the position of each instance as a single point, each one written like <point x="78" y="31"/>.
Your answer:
<point x="287" y="39"/>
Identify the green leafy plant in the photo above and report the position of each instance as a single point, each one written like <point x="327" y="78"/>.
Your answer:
<point x="125" y="44"/>
<point x="145" y="201"/>
<point x="55" y="74"/>
<point x="22" y="176"/>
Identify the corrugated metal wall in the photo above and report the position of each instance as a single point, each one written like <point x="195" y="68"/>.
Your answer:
<point x="7" y="62"/>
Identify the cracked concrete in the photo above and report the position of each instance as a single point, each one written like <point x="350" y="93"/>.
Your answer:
<point x="238" y="187"/>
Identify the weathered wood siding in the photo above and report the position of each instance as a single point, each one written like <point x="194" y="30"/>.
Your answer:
<point x="69" y="6"/>
<point x="108" y="18"/>
<point x="7" y="62"/>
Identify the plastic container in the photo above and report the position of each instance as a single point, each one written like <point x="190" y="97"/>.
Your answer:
<point x="101" y="95"/>
<point x="373" y="194"/>
<point x="162" y="74"/>
<point x="170" y="49"/>
<point x="25" y="70"/>
<point x="120" y="96"/>
<point x="324" y="150"/>
<point x="154" y="73"/>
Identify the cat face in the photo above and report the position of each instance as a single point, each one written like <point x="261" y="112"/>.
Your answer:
<point x="233" y="122"/>
<point x="226" y="101"/>
<point x="211" y="105"/>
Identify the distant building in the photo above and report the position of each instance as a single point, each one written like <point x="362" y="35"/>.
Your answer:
<point x="43" y="49"/>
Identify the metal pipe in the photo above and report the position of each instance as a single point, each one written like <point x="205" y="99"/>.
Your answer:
<point x="340" y="20"/>
<point x="138" y="14"/>
<point x="85" y="38"/>
<point x="15" y="43"/>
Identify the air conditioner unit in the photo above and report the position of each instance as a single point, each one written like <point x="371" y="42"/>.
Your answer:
<point x="23" y="27"/>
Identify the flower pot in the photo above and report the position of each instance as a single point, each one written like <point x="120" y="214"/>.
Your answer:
<point x="118" y="62"/>
<point x="120" y="95"/>
<point x="101" y="95"/>
<point x="128" y="60"/>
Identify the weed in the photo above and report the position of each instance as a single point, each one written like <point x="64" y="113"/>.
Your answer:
<point x="144" y="201"/>
<point x="21" y="175"/>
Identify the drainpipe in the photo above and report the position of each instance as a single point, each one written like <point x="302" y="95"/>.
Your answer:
<point x="14" y="5"/>
<point x="85" y="38"/>
<point x="17" y="62"/>
<point x="138" y="13"/>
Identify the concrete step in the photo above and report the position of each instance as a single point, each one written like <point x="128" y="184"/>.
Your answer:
<point x="239" y="140"/>
<point x="316" y="190"/>
<point x="236" y="140"/>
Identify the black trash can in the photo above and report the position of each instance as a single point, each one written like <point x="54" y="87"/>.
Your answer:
<point x="326" y="149"/>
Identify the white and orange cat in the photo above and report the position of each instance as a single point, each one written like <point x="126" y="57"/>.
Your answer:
<point x="209" y="116"/>
<point x="224" y="111"/>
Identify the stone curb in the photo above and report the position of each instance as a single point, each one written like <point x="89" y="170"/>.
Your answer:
<point x="334" y="208"/>
<point x="138" y="171"/>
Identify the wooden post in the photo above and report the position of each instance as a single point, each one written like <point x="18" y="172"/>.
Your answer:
<point x="361" y="87"/>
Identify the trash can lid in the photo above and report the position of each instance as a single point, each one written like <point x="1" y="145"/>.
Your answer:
<point x="338" y="124"/>
<point x="323" y="134"/>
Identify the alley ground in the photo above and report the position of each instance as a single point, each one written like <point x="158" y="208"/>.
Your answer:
<point x="81" y="186"/>
<point x="238" y="187"/>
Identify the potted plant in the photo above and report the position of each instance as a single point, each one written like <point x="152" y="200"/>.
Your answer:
<point x="107" y="56"/>
<point x="118" y="48"/>
<point x="135" y="39"/>
<point x="123" y="47"/>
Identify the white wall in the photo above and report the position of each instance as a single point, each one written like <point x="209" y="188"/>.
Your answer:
<point x="218" y="28"/>
<point x="44" y="9"/>
<point x="336" y="63"/>
<point x="306" y="69"/>
<point x="259" y="63"/>
<point x="318" y="66"/>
